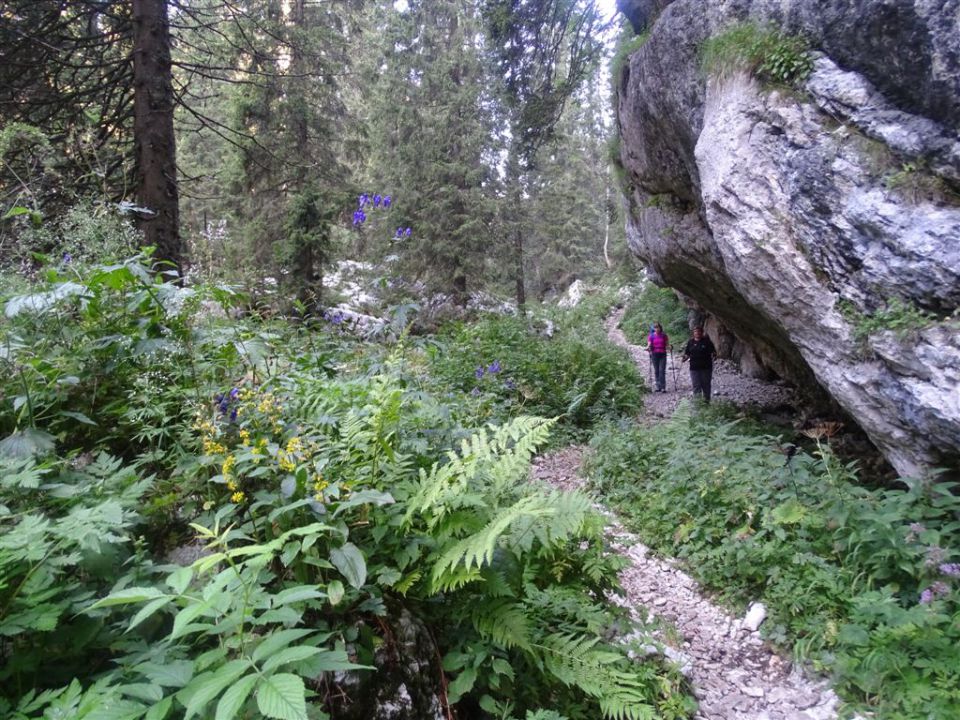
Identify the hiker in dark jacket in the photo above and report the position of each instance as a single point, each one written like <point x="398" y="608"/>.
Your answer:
<point x="701" y="353"/>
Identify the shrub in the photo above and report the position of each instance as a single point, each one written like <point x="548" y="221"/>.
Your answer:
<point x="864" y="583"/>
<point x="771" y="55"/>
<point x="655" y="304"/>
<point x="508" y="369"/>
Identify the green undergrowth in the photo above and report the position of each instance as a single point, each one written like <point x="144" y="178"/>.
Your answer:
<point x="864" y="584"/>
<point x="504" y="366"/>
<point x="322" y="490"/>
<point x="766" y="52"/>
<point x="655" y="304"/>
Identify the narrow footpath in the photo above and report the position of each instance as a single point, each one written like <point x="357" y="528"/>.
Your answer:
<point x="735" y="675"/>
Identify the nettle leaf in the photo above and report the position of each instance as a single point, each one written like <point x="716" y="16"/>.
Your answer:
<point x="127" y="596"/>
<point x="27" y="443"/>
<point x="175" y="673"/>
<point x="349" y="561"/>
<point x="790" y="512"/>
<point x="296" y="594"/>
<point x="294" y="654"/>
<point x="275" y="641"/>
<point x="461" y="685"/>
<point x="204" y="688"/>
<point x="180" y="579"/>
<point x="233" y="699"/>
<point x="283" y="697"/>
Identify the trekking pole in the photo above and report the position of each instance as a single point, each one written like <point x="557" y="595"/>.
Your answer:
<point x="673" y="364"/>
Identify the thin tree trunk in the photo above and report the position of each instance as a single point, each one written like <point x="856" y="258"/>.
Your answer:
<point x="606" y="229"/>
<point x="154" y="140"/>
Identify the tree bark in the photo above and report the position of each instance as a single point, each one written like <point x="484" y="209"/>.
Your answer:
<point x="154" y="140"/>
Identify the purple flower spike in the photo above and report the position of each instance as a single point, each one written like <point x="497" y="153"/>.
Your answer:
<point x="399" y="232"/>
<point x="950" y="569"/>
<point x="494" y="367"/>
<point x="407" y="232"/>
<point x="67" y="257"/>
<point x="234" y="393"/>
<point x="233" y="415"/>
<point x="386" y="201"/>
<point x="376" y="200"/>
<point x="936" y="590"/>
<point x="359" y="217"/>
<point x="478" y="372"/>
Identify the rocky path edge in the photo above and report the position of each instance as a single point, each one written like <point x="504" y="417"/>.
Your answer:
<point x="735" y="675"/>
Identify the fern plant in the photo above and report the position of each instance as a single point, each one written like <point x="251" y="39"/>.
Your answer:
<point x="526" y="565"/>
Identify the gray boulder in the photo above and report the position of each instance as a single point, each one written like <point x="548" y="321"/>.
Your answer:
<point x="792" y="216"/>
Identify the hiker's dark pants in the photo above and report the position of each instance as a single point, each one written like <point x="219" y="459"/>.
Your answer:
<point x="700" y="380"/>
<point x="660" y="369"/>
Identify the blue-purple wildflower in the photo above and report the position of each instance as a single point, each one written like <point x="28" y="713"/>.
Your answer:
<point x="936" y="590"/>
<point x="950" y="569"/>
<point x="494" y="367"/>
<point x="478" y="372"/>
<point x="509" y="384"/>
<point x="387" y="200"/>
<point x="359" y="217"/>
<point x="376" y="200"/>
<point x="407" y="232"/>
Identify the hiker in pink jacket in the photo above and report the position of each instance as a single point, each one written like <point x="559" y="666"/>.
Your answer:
<point x="657" y="345"/>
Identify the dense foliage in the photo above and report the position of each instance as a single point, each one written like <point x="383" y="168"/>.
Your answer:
<point x="655" y="304"/>
<point x="864" y="583"/>
<point x="213" y="517"/>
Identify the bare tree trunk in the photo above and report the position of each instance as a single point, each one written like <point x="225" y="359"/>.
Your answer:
<point x="606" y="229"/>
<point x="154" y="140"/>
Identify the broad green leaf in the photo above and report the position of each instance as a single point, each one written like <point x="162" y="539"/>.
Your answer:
<point x="289" y="655"/>
<point x="277" y="640"/>
<point x="335" y="592"/>
<point x="143" y="691"/>
<point x="789" y="513"/>
<point x="181" y="623"/>
<point x="349" y="561"/>
<point x="146" y="611"/>
<point x="27" y="443"/>
<point x="160" y="710"/>
<point x="330" y="660"/>
<point x="175" y="674"/>
<point x="502" y="667"/>
<point x="296" y="594"/>
<point x="179" y="580"/>
<point x="233" y="699"/>
<point x="116" y="709"/>
<point x="365" y="497"/>
<point x="283" y="697"/>
<point x="461" y="685"/>
<point x="204" y="688"/>
<point x="127" y="596"/>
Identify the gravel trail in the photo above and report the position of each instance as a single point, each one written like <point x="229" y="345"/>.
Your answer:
<point x="734" y="673"/>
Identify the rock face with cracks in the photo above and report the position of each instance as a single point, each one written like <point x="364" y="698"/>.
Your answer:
<point x="813" y="222"/>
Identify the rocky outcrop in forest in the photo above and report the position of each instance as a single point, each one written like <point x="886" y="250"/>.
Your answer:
<point x="818" y="222"/>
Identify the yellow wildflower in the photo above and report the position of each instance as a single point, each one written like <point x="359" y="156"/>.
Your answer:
<point x="245" y="437"/>
<point x="238" y="497"/>
<point x="232" y="486"/>
<point x="285" y="462"/>
<point x="228" y="462"/>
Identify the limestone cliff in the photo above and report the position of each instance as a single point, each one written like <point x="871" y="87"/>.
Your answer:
<point x="810" y="221"/>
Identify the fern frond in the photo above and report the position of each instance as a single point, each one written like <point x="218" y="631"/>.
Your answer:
<point x="477" y="550"/>
<point x="504" y="622"/>
<point x="455" y="579"/>
<point x="576" y="660"/>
